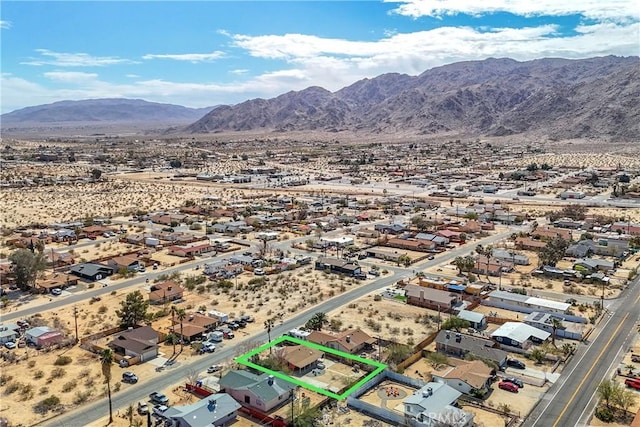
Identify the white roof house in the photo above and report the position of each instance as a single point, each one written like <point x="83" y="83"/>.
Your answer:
<point x="518" y="334"/>
<point x="433" y="405"/>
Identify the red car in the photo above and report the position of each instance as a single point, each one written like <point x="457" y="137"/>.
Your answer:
<point x="505" y="385"/>
<point x="633" y="383"/>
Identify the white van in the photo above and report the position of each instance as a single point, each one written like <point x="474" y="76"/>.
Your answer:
<point x="215" y="336"/>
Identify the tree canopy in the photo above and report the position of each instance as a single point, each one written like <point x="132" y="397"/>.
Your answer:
<point x="455" y="323"/>
<point x="133" y="309"/>
<point x="26" y="266"/>
<point x="317" y="321"/>
<point x="554" y="251"/>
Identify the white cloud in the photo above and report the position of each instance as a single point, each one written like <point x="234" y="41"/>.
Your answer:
<point x="307" y="60"/>
<point x="76" y="77"/>
<point x="593" y="9"/>
<point x="191" y="57"/>
<point x="239" y="71"/>
<point x="5" y="25"/>
<point x="60" y="59"/>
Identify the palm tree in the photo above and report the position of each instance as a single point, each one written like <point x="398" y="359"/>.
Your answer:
<point x="173" y="325"/>
<point x="106" y="358"/>
<point x="555" y="325"/>
<point x="268" y="324"/>
<point x="181" y="316"/>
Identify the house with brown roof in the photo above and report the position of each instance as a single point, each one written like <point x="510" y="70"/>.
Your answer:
<point x="208" y="323"/>
<point x="548" y="233"/>
<point x="140" y="342"/>
<point x="165" y="291"/>
<point x="411" y="245"/>
<point x="190" y="250"/>
<point x="351" y="341"/>
<point x="301" y="358"/>
<point x="130" y="262"/>
<point x="434" y="299"/>
<point x="468" y="377"/>
<point x="491" y="266"/>
<point x="530" y="244"/>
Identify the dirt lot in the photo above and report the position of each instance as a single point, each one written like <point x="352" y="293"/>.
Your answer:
<point x="387" y="318"/>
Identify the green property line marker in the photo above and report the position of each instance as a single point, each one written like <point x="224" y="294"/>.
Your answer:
<point x="244" y="360"/>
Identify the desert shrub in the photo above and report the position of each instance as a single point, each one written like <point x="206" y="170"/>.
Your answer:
<point x="26" y="392"/>
<point x="38" y="374"/>
<point x="57" y="373"/>
<point x="84" y="373"/>
<point x="13" y="387"/>
<point x="81" y="397"/>
<point x="68" y="386"/>
<point x="5" y="378"/>
<point x="62" y="360"/>
<point x="377" y="297"/>
<point x="604" y="414"/>
<point x="43" y="390"/>
<point x="46" y="405"/>
<point x="31" y="363"/>
<point x="102" y="309"/>
<point x="117" y="386"/>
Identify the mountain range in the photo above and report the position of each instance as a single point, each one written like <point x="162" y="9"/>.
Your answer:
<point x="558" y="98"/>
<point x="551" y="97"/>
<point x="105" y="110"/>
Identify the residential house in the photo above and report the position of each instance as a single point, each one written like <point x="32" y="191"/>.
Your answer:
<point x="476" y="320"/>
<point x="546" y="232"/>
<point x="43" y="336"/>
<point x="337" y="265"/>
<point x="528" y="243"/>
<point x="434" y="299"/>
<point x="510" y="256"/>
<point x="9" y="332"/>
<point x="459" y="345"/>
<point x="166" y="291"/>
<point x="436" y="404"/>
<point x="128" y="262"/>
<point x="568" y="223"/>
<point x="258" y="391"/>
<point x="520" y="335"/>
<point x="190" y="251"/>
<point x="92" y="271"/>
<point x="593" y="265"/>
<point x="525" y="303"/>
<point x="140" y="342"/>
<point x="59" y="259"/>
<point x="491" y="266"/>
<point x="468" y="378"/>
<point x="437" y="240"/>
<point x="453" y="236"/>
<point x="386" y="254"/>
<point x="544" y="322"/>
<point x="390" y="228"/>
<point x="626" y="227"/>
<point x="411" y="244"/>
<point x="300" y="358"/>
<point x="218" y="409"/>
<point x="352" y="341"/>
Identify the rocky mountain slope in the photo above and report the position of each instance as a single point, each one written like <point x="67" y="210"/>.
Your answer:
<point x="557" y="98"/>
<point x="104" y="111"/>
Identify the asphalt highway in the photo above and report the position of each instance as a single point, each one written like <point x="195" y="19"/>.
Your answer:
<point x="571" y="401"/>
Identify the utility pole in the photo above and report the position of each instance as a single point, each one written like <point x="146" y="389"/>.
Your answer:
<point x="75" y="320"/>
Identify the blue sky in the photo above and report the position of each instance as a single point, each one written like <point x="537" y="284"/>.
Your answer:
<point x="206" y="53"/>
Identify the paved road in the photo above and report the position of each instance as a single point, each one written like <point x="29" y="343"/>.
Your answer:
<point x="178" y="373"/>
<point x="570" y="402"/>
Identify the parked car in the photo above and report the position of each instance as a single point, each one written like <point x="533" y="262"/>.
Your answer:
<point x="56" y="291"/>
<point x="233" y="325"/>
<point x="515" y="363"/>
<point x="158" y="410"/>
<point x="633" y="383"/>
<point x="247" y="318"/>
<point x="635" y="357"/>
<point x="10" y="345"/>
<point x="375" y="272"/>
<point x="143" y="408"/>
<point x="214" y="368"/>
<point x="505" y="385"/>
<point x="258" y="272"/>
<point x="430" y="257"/>
<point x="208" y="347"/>
<point x="159" y="398"/>
<point x="515" y="381"/>
<point x="129" y="377"/>
<point x="228" y="334"/>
